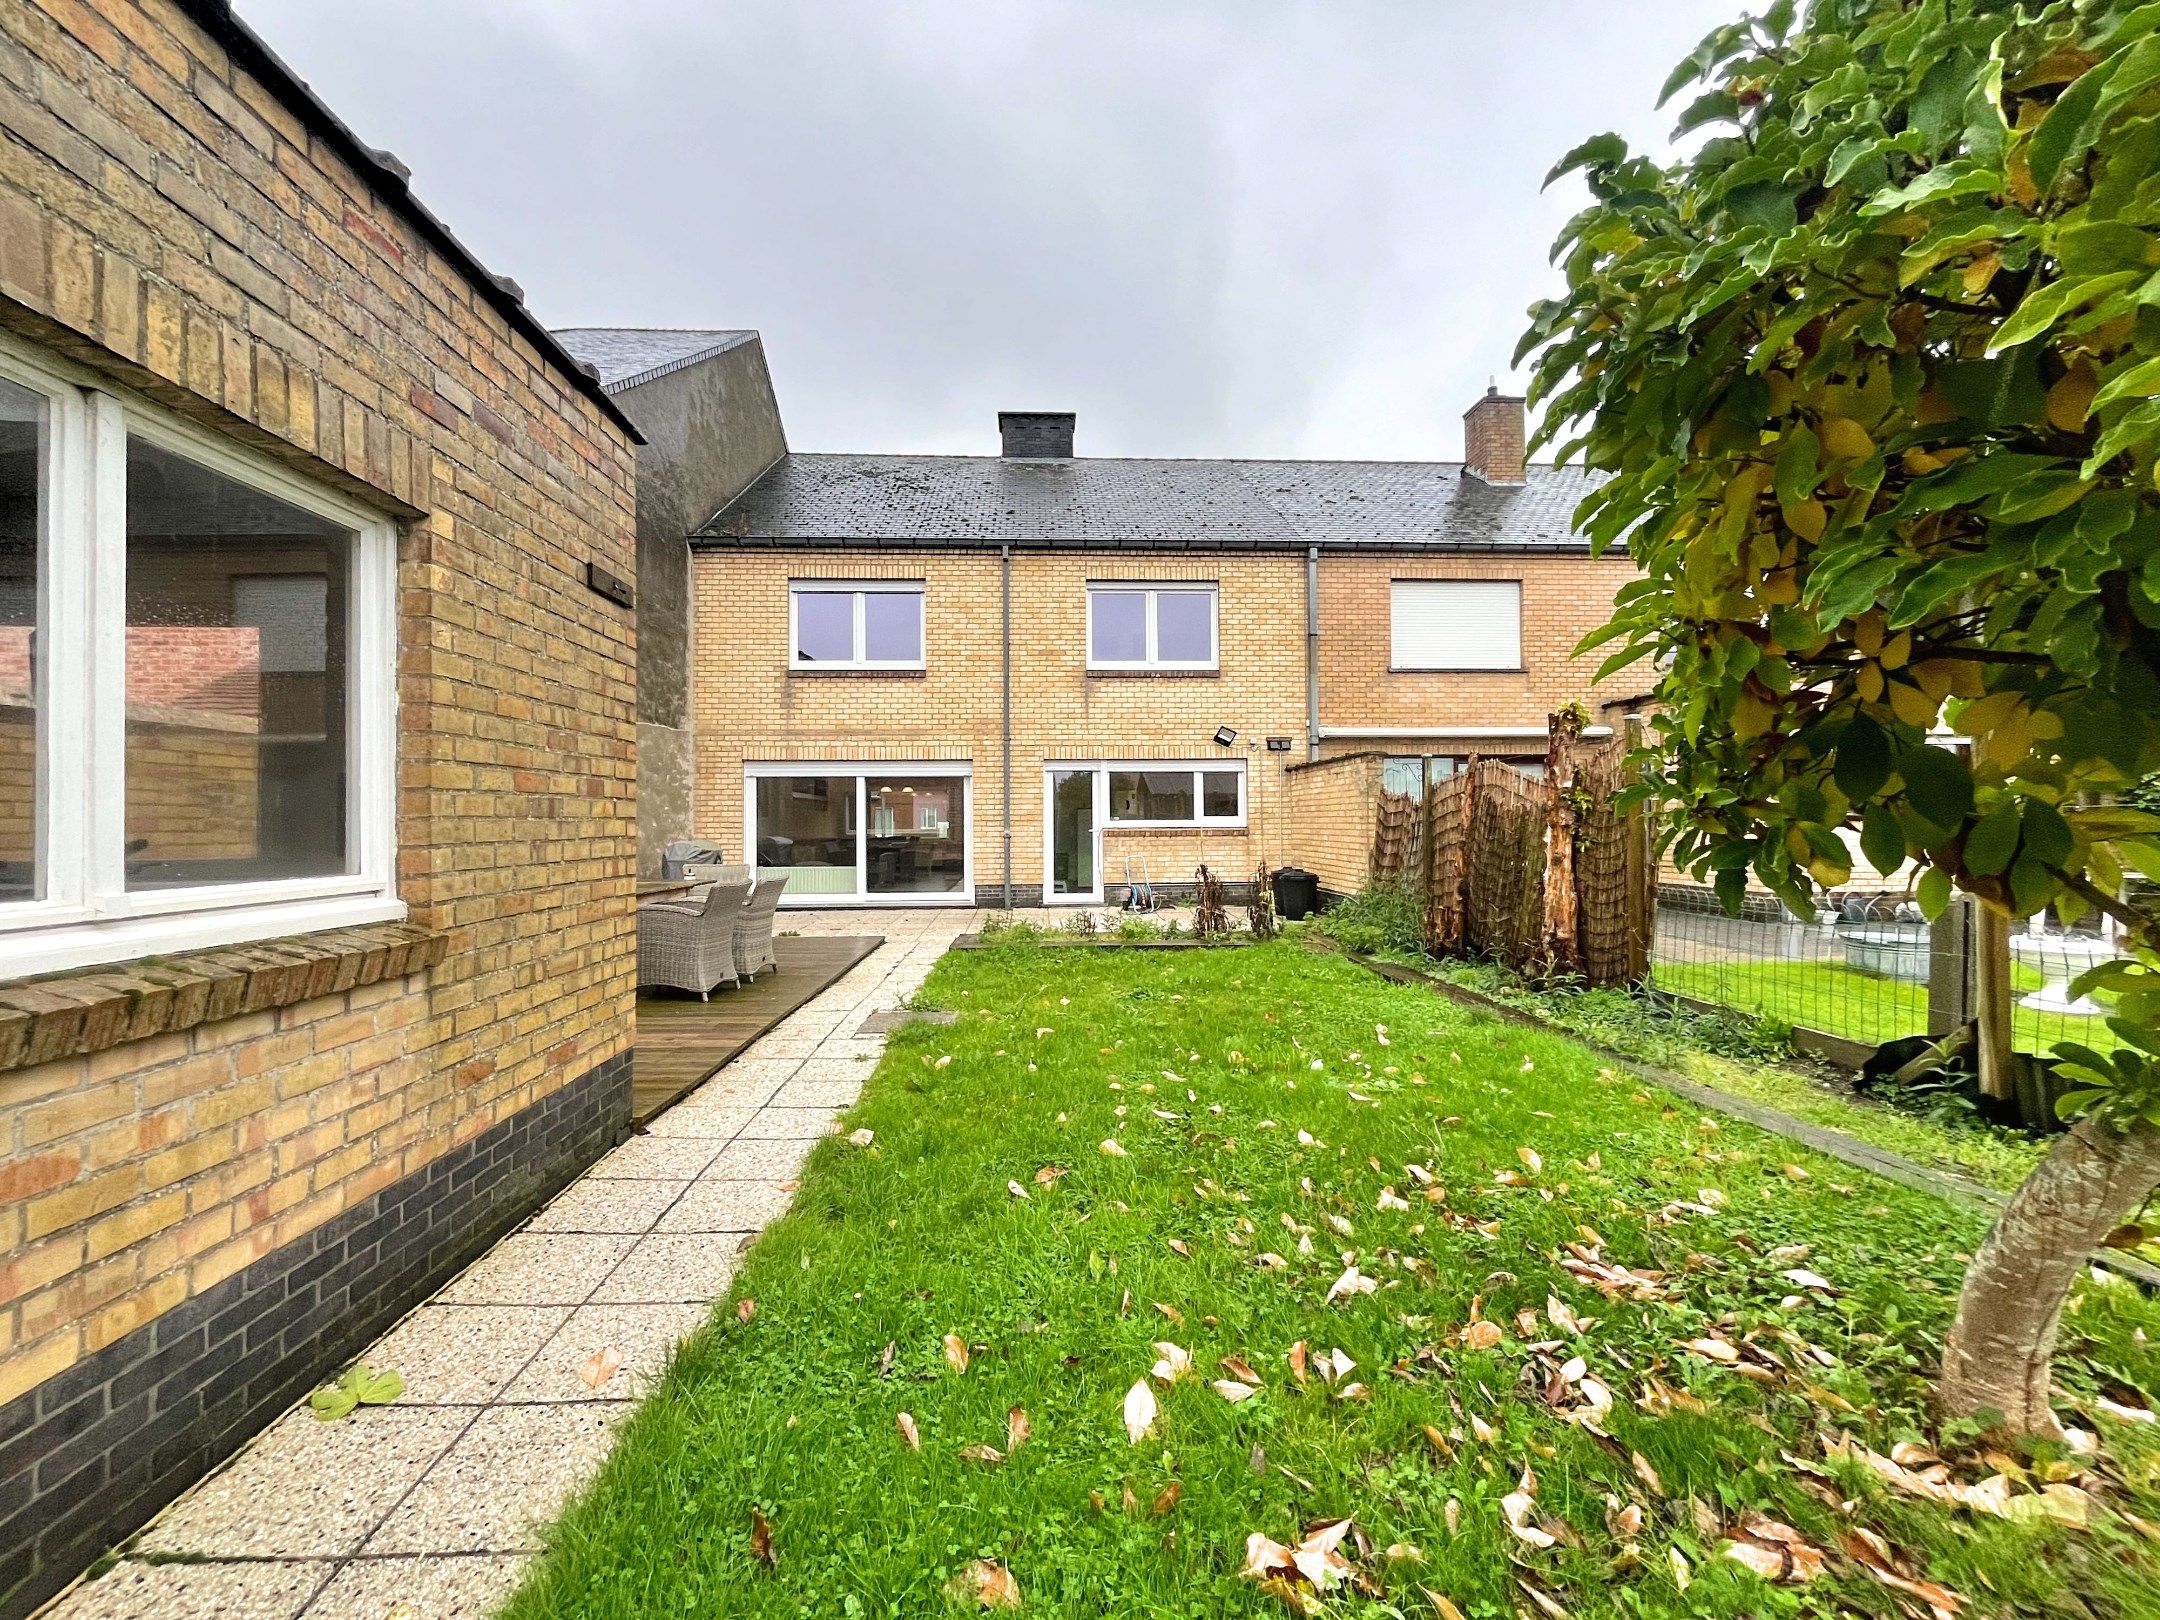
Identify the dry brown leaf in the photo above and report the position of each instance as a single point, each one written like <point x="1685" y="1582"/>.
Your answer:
<point x="1297" y="1361"/>
<point x="1048" y="1173"/>
<point x="1231" y="1390"/>
<point x="1530" y="1159"/>
<point x="1716" y="1350"/>
<point x="1167" y="1498"/>
<point x="745" y="1309"/>
<point x="1110" y="1149"/>
<point x="956" y="1352"/>
<point x="1441" y="1606"/>
<point x="863" y="1136"/>
<point x="1774" y="1550"/>
<point x="1545" y="1601"/>
<point x="1482" y="1335"/>
<point x="1352" y="1281"/>
<point x="1140" y="1411"/>
<point x="988" y="1456"/>
<point x="761" y="1542"/>
<point x="905" y="1423"/>
<point x="1016" y="1189"/>
<point x="1872" y="1554"/>
<point x="1237" y="1367"/>
<point x="990" y="1585"/>
<point x="1180" y="1246"/>
<point x="1172" y="1361"/>
<point x="1017" y="1429"/>
<point x="1171" y="1312"/>
<point x="1647" y="1474"/>
<point x="604" y="1364"/>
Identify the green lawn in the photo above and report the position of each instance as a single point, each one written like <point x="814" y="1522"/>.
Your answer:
<point x="1260" y="1112"/>
<point x="1839" y="1001"/>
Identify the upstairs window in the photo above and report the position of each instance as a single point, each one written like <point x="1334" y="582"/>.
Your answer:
<point x="1151" y="626"/>
<point x="197" y="686"/>
<point x="874" y="625"/>
<point x="1455" y="624"/>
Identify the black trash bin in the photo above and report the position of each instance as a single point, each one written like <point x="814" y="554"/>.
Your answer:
<point x="1297" y="893"/>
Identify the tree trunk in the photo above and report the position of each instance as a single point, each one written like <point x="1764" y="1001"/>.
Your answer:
<point x="1997" y="1356"/>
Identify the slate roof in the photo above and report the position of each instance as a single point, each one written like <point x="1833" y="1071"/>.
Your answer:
<point x="1115" y="503"/>
<point x="628" y="355"/>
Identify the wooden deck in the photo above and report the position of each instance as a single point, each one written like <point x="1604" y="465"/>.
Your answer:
<point x="682" y="1040"/>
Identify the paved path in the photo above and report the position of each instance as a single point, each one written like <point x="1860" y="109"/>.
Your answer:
<point x="427" y="1509"/>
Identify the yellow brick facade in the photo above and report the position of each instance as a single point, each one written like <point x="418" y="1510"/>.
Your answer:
<point x="171" y="223"/>
<point x="1563" y="600"/>
<point x="751" y="708"/>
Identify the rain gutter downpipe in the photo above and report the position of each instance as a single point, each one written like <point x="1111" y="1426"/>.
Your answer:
<point x="1005" y="707"/>
<point x="1312" y="652"/>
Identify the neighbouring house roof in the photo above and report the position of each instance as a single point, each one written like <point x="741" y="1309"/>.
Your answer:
<point x="390" y="180"/>
<point x="628" y="355"/>
<point x="1116" y="503"/>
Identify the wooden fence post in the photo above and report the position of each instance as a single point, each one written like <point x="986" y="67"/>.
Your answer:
<point x="1560" y="945"/>
<point x="1991" y="998"/>
<point x="1641" y="878"/>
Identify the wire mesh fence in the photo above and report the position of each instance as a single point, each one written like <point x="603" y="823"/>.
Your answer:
<point x="1870" y="968"/>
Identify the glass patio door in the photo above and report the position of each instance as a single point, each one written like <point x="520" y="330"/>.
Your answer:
<point x="848" y="834"/>
<point x="1075" y="847"/>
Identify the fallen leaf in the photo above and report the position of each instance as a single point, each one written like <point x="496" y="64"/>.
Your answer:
<point x="988" y="1456"/>
<point x="1237" y="1367"/>
<point x="603" y="1365"/>
<point x="1716" y="1350"/>
<point x="1017" y="1429"/>
<point x="1872" y="1554"/>
<point x="1775" y="1551"/>
<point x="1140" y="1411"/>
<point x="761" y="1542"/>
<point x="1180" y="1246"/>
<point x="1110" y="1149"/>
<point x="745" y="1309"/>
<point x="1231" y="1390"/>
<point x="1016" y="1189"/>
<point x="1516" y="1507"/>
<point x="1482" y="1335"/>
<point x="1647" y="1474"/>
<point x="1172" y="1362"/>
<point x="1681" y="1574"/>
<point x="905" y="1423"/>
<point x="862" y="1136"/>
<point x="1297" y="1361"/>
<point x="1352" y="1281"/>
<point x="1048" y="1173"/>
<point x="1529" y="1156"/>
<point x="956" y="1352"/>
<point x="1441" y="1606"/>
<point x="1167" y="1498"/>
<point x="990" y="1585"/>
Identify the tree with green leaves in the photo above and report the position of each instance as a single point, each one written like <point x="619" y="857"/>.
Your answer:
<point x="1875" y="374"/>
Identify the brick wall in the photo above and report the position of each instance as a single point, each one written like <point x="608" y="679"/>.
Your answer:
<point x="747" y="705"/>
<point x="1563" y="600"/>
<point x="176" y="225"/>
<point x="1330" y="806"/>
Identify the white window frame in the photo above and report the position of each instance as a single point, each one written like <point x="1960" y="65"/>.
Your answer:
<point x="85" y="914"/>
<point x="1101" y="769"/>
<point x="863" y="770"/>
<point x="1397" y="663"/>
<point x="860" y="589"/>
<point x="1152" y="590"/>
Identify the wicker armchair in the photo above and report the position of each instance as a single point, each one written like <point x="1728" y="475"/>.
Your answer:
<point x="689" y="944"/>
<point x="754" y="928"/>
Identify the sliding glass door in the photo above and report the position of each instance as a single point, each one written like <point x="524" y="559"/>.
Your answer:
<point x="861" y="835"/>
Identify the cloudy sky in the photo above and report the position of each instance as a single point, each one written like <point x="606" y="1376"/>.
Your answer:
<point x="1233" y="228"/>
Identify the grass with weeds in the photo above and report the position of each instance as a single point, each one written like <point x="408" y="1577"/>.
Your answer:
<point x="1272" y="1102"/>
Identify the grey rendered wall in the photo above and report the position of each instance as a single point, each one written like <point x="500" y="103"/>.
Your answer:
<point x="710" y="430"/>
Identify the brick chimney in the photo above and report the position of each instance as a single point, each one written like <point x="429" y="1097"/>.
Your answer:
<point x="1493" y="438"/>
<point x="1036" y="435"/>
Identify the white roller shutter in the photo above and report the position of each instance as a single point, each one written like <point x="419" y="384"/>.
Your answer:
<point x="1456" y="624"/>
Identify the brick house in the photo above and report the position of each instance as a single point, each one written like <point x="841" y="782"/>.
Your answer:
<point x="317" y="795"/>
<point x="1004" y="679"/>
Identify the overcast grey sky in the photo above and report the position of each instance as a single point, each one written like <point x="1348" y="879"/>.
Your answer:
<point x="1237" y="228"/>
